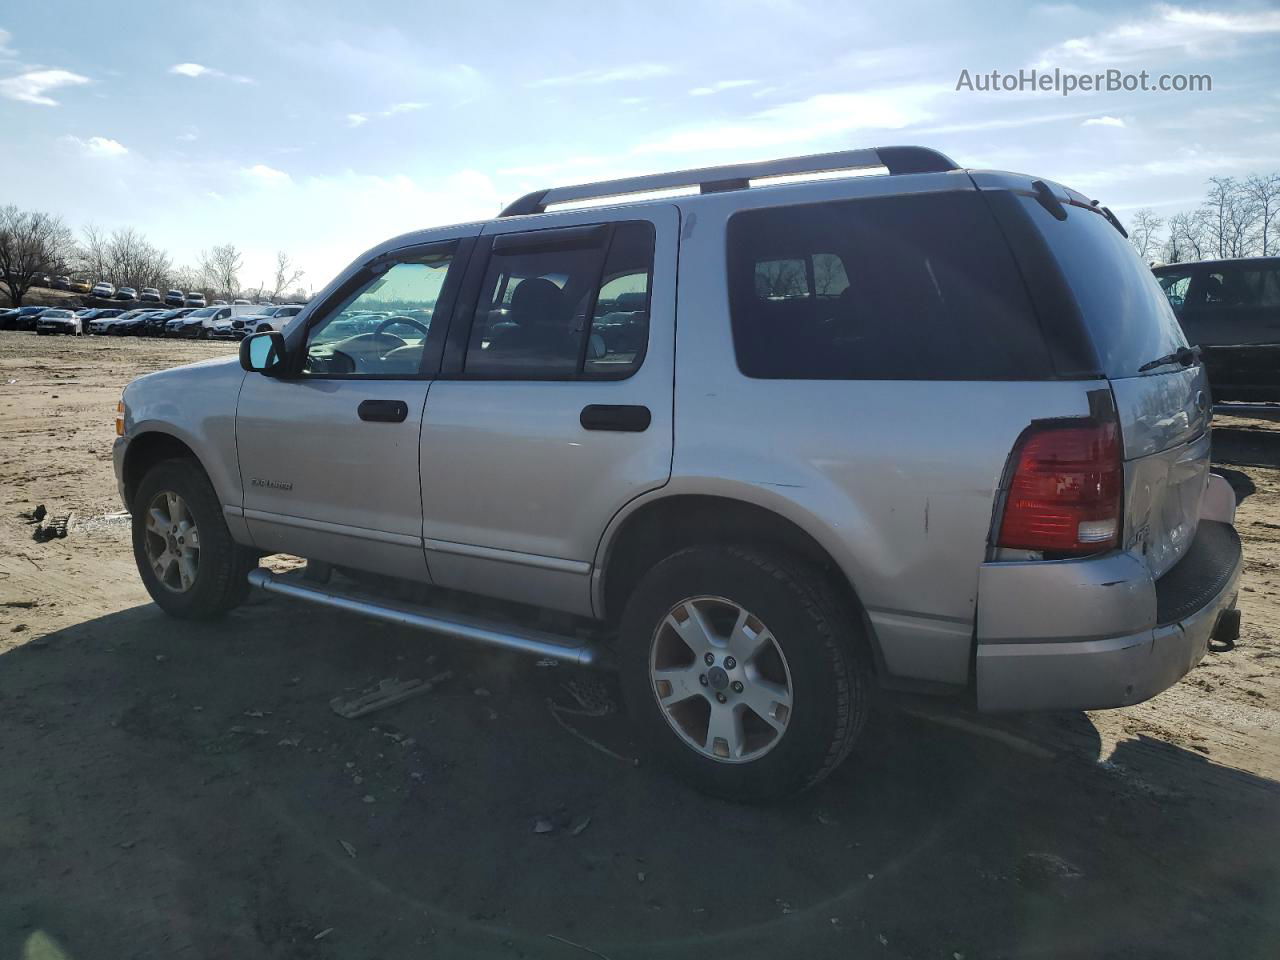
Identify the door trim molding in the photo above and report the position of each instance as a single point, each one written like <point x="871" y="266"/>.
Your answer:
<point x="579" y="567"/>
<point x="340" y="529"/>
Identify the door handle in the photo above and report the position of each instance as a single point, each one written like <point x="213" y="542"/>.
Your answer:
<point x="383" y="411"/>
<point x="625" y="418"/>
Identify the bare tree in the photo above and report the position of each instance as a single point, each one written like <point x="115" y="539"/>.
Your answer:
<point x="1187" y="237"/>
<point x="781" y="278"/>
<point x="1264" y="192"/>
<point x="221" y="267"/>
<point x="187" y="279"/>
<point x="1231" y="217"/>
<point x="1144" y="232"/>
<point x="133" y="261"/>
<point x="91" y="253"/>
<point x="286" y="274"/>
<point x="31" y="243"/>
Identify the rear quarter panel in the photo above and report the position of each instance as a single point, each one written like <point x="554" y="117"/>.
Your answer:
<point x="895" y="479"/>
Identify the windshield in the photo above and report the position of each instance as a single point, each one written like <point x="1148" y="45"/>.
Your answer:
<point x="202" y="313"/>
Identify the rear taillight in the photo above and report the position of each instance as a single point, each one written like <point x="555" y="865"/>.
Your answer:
<point x="1065" y="490"/>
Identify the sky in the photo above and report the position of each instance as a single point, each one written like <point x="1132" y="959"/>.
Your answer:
<point x="323" y="128"/>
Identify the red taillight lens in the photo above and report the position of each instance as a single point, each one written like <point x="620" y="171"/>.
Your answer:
<point x="1065" y="492"/>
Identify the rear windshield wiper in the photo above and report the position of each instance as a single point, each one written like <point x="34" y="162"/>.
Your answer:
<point x="1184" y="356"/>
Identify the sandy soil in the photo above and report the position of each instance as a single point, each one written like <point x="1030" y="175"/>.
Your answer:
<point x="185" y="790"/>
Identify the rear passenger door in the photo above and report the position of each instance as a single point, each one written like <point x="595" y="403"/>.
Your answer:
<point x="554" y="404"/>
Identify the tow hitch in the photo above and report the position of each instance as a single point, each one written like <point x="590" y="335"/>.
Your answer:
<point x="1226" y="632"/>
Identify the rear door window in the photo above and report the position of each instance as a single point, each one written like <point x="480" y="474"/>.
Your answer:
<point x="889" y="288"/>
<point x="564" y="304"/>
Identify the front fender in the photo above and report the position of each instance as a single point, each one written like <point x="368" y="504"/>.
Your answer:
<point x="195" y="405"/>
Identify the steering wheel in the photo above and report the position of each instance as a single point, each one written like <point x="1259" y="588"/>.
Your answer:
<point x="409" y="321"/>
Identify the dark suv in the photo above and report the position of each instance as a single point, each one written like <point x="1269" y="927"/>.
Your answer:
<point x="1231" y="309"/>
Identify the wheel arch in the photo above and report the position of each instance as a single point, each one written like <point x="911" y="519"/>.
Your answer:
<point x="147" y="449"/>
<point x="661" y="526"/>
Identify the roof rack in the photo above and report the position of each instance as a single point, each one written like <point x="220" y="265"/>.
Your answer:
<point x="738" y="176"/>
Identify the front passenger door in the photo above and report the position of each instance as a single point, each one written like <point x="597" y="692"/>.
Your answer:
<point x="329" y="452"/>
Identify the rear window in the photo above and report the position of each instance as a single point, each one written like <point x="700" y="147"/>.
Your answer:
<point x="887" y="288"/>
<point x="1127" y="314"/>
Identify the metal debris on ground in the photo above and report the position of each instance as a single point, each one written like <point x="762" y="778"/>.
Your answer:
<point x="580" y="826"/>
<point x="591" y="695"/>
<point x="350" y="848"/>
<point x="543" y="825"/>
<point x="323" y="933"/>
<point x="387" y="693"/>
<point x="55" y="529"/>
<point x="594" y="953"/>
<point x="556" y="710"/>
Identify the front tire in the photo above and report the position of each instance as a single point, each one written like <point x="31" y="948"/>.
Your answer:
<point x="184" y="551"/>
<point x="743" y="671"/>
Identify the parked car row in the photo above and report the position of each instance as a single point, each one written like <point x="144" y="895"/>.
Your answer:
<point x="219" y="322"/>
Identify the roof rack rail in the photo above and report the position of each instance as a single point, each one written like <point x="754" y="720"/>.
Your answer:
<point x="738" y="176"/>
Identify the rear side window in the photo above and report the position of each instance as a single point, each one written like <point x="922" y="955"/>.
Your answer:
<point x="553" y="308"/>
<point x="1127" y="314"/>
<point x="887" y="288"/>
<point x="1242" y="285"/>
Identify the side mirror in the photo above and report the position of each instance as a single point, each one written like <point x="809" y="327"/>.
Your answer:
<point x="263" y="353"/>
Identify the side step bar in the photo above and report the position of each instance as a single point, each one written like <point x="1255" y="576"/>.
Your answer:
<point x="507" y="636"/>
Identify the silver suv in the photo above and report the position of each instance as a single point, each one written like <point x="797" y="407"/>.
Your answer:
<point x="759" y="447"/>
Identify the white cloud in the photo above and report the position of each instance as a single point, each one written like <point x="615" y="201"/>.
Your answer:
<point x="189" y="135"/>
<point x="635" y="71"/>
<point x="31" y="87"/>
<point x="5" y="49"/>
<point x="1168" y="29"/>
<point x="1103" y="122"/>
<point x="360" y="119"/>
<point x="99" y="146"/>
<point x="194" y="70"/>
<point x="826" y="116"/>
<point x="267" y="176"/>
<point x="719" y="87"/>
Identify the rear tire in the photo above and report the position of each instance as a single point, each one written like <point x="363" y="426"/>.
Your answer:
<point x="175" y="499"/>
<point x="809" y="676"/>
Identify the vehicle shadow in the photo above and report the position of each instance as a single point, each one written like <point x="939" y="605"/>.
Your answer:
<point x="171" y="787"/>
<point x="1248" y="446"/>
<point x="1241" y="484"/>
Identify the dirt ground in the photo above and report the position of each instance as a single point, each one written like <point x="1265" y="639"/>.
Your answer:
<point x="171" y="790"/>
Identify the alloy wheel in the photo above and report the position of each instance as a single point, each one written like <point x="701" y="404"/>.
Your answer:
<point x="172" y="542"/>
<point x="721" y="679"/>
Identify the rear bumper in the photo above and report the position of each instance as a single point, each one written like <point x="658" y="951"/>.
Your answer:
<point x="1109" y="635"/>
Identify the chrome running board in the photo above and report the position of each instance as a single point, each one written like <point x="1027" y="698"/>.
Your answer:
<point x="492" y="633"/>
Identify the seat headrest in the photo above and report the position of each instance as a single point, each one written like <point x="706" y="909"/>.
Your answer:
<point x="536" y="300"/>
